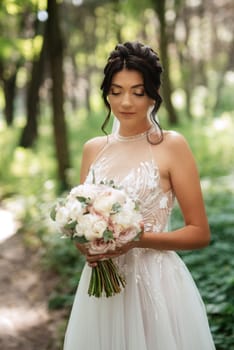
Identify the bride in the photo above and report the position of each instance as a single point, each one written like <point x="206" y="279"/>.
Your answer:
<point x="160" y="308"/>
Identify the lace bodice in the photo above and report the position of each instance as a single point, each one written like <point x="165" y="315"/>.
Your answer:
<point x="128" y="161"/>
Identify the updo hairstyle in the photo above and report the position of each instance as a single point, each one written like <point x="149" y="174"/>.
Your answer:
<point x="139" y="57"/>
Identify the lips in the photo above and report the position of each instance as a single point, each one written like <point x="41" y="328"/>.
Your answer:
<point x="127" y="113"/>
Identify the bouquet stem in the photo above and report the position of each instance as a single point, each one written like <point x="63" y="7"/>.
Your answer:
<point x="105" y="278"/>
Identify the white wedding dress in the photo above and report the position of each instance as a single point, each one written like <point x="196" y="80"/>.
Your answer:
<point x="160" y="307"/>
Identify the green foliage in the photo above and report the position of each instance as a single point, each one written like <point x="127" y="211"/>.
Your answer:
<point x="28" y="184"/>
<point x="212" y="144"/>
<point x="62" y="257"/>
<point x="213" y="267"/>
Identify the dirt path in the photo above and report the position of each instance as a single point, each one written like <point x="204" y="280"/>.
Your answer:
<point x="25" y="321"/>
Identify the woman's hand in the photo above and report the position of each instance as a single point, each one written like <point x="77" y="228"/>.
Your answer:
<point x="92" y="259"/>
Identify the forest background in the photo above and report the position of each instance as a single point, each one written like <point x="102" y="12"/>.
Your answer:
<point x="52" y="55"/>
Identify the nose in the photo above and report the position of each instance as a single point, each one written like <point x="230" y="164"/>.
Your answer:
<point x="126" y="101"/>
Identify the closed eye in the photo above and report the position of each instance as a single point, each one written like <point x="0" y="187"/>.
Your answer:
<point x="115" y="93"/>
<point x="139" y="91"/>
<point x="139" y="94"/>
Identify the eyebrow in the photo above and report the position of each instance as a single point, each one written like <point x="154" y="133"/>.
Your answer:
<point x="132" y="87"/>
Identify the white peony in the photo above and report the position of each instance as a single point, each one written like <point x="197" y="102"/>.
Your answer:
<point x="126" y="218"/>
<point x="75" y="209"/>
<point x="85" y="190"/>
<point x="91" y="226"/>
<point x="105" y="201"/>
<point x="62" y="216"/>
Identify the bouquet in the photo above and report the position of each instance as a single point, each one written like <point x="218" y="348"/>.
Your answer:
<point x="102" y="217"/>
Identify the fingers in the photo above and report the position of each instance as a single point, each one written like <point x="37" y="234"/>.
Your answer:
<point x="92" y="259"/>
<point x="92" y="264"/>
<point x="98" y="257"/>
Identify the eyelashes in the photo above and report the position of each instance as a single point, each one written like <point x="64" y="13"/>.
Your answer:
<point x="139" y="93"/>
<point x="114" y="93"/>
<point x="117" y="93"/>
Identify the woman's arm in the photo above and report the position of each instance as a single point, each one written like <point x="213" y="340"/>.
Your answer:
<point x="185" y="183"/>
<point x="90" y="150"/>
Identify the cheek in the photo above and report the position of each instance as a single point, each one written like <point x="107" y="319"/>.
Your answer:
<point x="113" y="104"/>
<point x="145" y="106"/>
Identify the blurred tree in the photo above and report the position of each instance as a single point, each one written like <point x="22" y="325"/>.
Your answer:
<point x="55" y="51"/>
<point x="160" y="8"/>
<point x="8" y="74"/>
<point x="203" y="33"/>
<point x="196" y="48"/>
<point x="181" y="33"/>
<point x="30" y="131"/>
<point x="10" y="59"/>
<point x="157" y="32"/>
<point x="222" y="54"/>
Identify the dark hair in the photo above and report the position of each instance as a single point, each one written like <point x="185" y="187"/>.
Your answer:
<point x="135" y="56"/>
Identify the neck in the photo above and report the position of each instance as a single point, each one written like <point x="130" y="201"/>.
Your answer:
<point x="131" y="131"/>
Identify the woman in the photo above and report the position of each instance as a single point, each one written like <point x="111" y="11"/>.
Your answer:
<point x="160" y="307"/>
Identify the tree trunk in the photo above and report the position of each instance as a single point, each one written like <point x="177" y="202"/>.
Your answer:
<point x="9" y="88"/>
<point x="228" y="66"/>
<point x="166" y="83"/>
<point x="55" y="51"/>
<point x="30" y="131"/>
<point x="185" y="63"/>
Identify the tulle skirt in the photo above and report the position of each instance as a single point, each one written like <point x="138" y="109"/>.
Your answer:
<point x="159" y="309"/>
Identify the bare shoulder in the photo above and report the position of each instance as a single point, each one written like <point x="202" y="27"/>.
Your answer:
<point x="174" y="138"/>
<point x="175" y="142"/>
<point x="91" y="149"/>
<point x="173" y="150"/>
<point x="95" y="143"/>
<point x="93" y="146"/>
<point x="177" y="150"/>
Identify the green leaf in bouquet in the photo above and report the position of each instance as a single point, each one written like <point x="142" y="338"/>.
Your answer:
<point x="82" y="199"/>
<point x="70" y="225"/>
<point x="80" y="239"/>
<point x="115" y="208"/>
<point x="53" y="213"/>
<point x="107" y="235"/>
<point x="111" y="183"/>
<point x="137" y="206"/>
